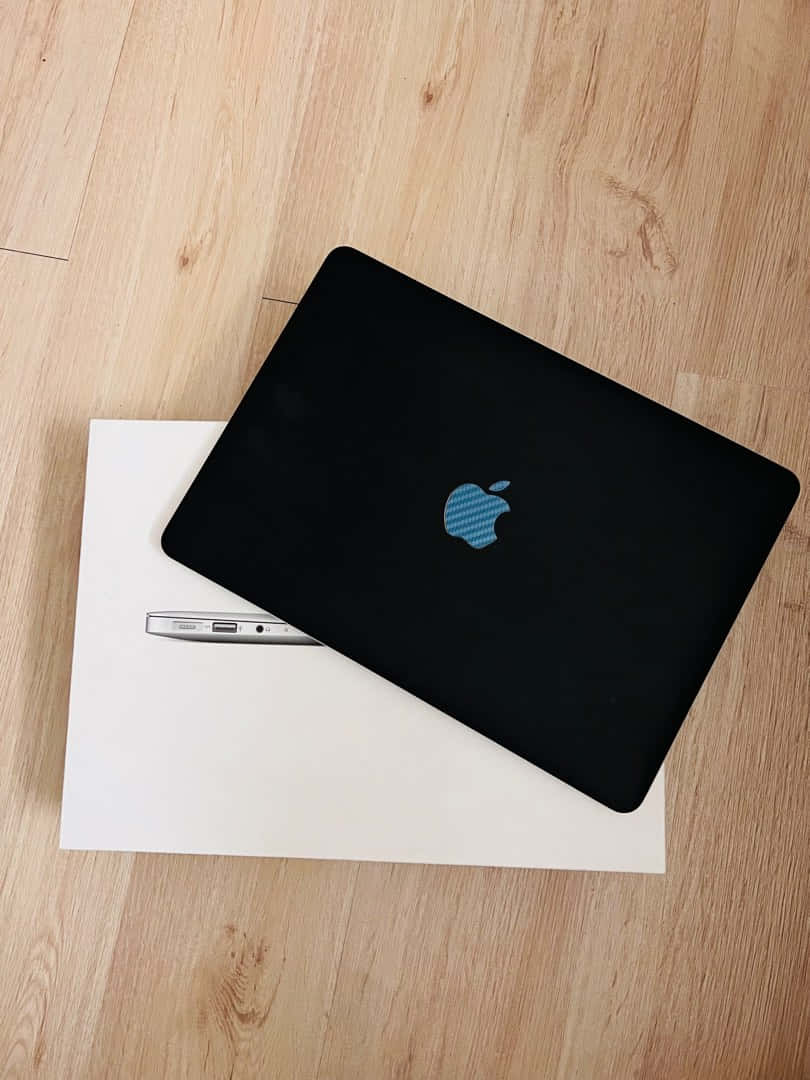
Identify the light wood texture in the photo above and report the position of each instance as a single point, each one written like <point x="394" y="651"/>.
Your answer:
<point x="627" y="184"/>
<point x="255" y="944"/>
<point x="57" y="62"/>
<point x="629" y="188"/>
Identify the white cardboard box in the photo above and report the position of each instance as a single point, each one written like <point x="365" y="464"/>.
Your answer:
<point x="278" y="750"/>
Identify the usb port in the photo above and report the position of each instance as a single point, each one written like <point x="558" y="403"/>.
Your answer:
<point x="223" y="627"/>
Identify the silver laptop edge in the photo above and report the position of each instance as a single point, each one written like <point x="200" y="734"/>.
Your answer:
<point x="225" y="626"/>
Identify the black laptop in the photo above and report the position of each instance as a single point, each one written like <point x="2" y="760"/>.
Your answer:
<point x="540" y="552"/>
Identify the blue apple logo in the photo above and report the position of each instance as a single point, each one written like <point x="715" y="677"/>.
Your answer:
<point x="470" y="513"/>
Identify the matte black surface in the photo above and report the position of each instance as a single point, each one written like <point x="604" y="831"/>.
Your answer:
<point x="581" y="637"/>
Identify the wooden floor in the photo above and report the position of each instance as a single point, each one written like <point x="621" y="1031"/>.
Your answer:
<point x="628" y="183"/>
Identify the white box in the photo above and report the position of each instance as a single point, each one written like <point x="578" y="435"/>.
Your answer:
<point x="278" y="750"/>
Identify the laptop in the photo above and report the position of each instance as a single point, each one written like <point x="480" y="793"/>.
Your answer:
<point x="528" y="546"/>
<point x="224" y="626"/>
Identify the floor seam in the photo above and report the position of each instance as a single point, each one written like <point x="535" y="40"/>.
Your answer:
<point x="35" y="254"/>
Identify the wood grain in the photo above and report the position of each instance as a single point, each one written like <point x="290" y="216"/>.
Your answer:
<point x="255" y="943"/>
<point x="162" y="297"/>
<point x="628" y="185"/>
<point x="639" y="199"/>
<point x="57" y="62"/>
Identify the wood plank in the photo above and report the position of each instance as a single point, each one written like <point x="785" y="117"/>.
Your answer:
<point x="454" y="972"/>
<point x="244" y="955"/>
<point x="160" y="307"/>
<point x="12" y="17"/>
<point x="57" y="63"/>
<point x="636" y="198"/>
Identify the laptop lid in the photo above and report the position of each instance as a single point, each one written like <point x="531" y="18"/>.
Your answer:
<point x="540" y="552"/>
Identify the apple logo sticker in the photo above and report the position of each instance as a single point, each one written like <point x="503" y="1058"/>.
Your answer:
<point x="470" y="513"/>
